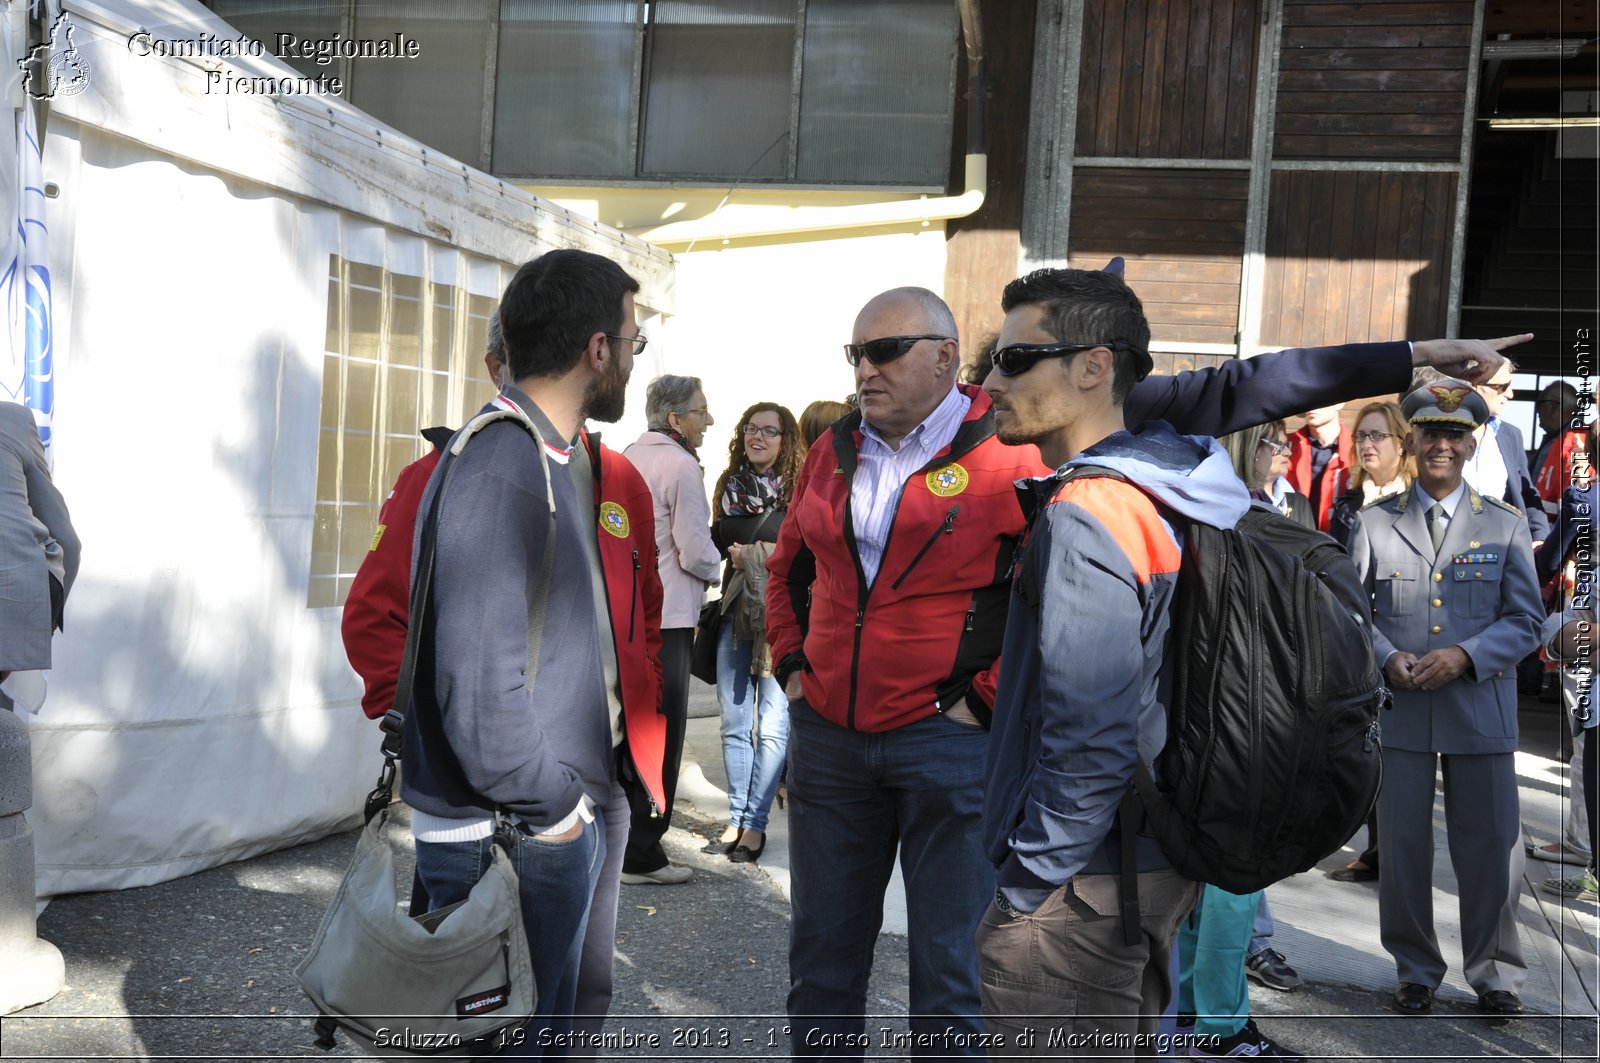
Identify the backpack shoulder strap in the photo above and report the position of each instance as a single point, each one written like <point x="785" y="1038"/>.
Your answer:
<point x="422" y="587"/>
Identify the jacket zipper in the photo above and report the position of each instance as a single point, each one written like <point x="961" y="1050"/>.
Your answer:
<point x="633" y="604"/>
<point x="943" y="529"/>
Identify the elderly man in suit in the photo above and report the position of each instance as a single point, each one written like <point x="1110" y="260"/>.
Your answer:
<point x="38" y="548"/>
<point x="1499" y="467"/>
<point x="1456" y="606"/>
<point x="38" y="559"/>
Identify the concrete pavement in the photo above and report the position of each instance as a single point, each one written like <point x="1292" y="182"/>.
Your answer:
<point x="202" y="968"/>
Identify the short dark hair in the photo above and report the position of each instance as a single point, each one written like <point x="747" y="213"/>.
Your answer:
<point x="554" y="304"/>
<point x="1089" y="306"/>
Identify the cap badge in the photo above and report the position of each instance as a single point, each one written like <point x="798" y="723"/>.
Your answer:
<point x="1448" y="397"/>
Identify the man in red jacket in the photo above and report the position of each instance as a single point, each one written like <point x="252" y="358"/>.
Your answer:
<point x="886" y="610"/>
<point x="376" y="618"/>
<point x="1319" y="456"/>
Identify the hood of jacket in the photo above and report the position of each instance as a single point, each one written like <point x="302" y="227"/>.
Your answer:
<point x="1191" y="475"/>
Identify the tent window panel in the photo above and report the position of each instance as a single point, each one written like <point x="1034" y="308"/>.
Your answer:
<point x="438" y="96"/>
<point x="356" y="527"/>
<point x="878" y="90"/>
<point x="564" y="92"/>
<point x="405" y="320"/>
<point x="327" y="465"/>
<point x="442" y="330"/>
<point x="402" y="400"/>
<point x="435" y="403"/>
<point x="324" y="539"/>
<point x="361" y="407"/>
<point x="398" y="453"/>
<point x="324" y="593"/>
<point x="703" y="54"/>
<point x="365" y="313"/>
<point x="264" y="20"/>
<point x="356" y="477"/>
<point x="333" y="341"/>
<point x="420" y="364"/>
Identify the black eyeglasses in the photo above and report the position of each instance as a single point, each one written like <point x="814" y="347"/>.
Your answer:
<point x="1021" y="357"/>
<point x="884" y="349"/>
<point x="762" y="430"/>
<point x="1274" y="445"/>
<point x="642" y="341"/>
<point x="1498" y="389"/>
<point x="1371" y="437"/>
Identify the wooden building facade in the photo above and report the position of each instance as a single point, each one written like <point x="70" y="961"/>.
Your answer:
<point x="1287" y="172"/>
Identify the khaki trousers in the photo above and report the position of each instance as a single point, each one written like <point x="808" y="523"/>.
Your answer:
<point x="1061" y="981"/>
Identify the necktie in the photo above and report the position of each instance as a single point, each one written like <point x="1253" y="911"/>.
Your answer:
<point x="1436" y="525"/>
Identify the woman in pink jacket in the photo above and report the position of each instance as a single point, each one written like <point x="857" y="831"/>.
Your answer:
<point x="688" y="562"/>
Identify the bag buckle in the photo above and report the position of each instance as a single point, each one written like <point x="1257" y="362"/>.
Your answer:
<point x="382" y="793"/>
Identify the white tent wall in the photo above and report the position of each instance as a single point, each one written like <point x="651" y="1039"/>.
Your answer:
<point x="199" y="711"/>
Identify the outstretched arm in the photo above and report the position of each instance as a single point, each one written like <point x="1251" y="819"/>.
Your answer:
<point x="1249" y="391"/>
<point x="1471" y="360"/>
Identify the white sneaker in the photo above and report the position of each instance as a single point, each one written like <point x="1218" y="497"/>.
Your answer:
<point x="666" y="875"/>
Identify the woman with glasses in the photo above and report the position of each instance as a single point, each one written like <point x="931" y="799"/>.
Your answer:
<point x="752" y="495"/>
<point x="1383" y="466"/>
<point x="1261" y="458"/>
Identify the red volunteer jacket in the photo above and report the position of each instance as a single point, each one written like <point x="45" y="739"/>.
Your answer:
<point x="377" y="610"/>
<point x="1335" y="478"/>
<point x="927" y="632"/>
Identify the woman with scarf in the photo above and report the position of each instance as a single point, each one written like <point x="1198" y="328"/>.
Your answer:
<point x="764" y="460"/>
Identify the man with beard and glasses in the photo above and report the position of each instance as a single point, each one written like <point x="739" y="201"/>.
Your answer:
<point x="479" y="740"/>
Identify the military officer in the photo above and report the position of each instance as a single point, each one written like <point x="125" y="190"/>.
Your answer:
<point x="1456" y="605"/>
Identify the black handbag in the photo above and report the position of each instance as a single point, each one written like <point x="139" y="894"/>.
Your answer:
<point x="703" y="657"/>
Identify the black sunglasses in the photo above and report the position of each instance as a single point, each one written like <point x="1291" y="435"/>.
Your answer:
<point x="1021" y="357"/>
<point x="885" y="349"/>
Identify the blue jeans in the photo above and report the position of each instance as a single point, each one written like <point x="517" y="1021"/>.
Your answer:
<point x="855" y="799"/>
<point x="557" y="882"/>
<point x="755" y="732"/>
<point x="1261" y="929"/>
<point x="1211" y="946"/>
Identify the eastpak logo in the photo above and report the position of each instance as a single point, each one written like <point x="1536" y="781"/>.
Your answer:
<point x="478" y="1003"/>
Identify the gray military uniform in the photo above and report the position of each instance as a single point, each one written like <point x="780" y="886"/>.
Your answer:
<point x="1479" y="592"/>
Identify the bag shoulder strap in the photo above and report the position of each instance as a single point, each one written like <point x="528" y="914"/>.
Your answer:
<point x="422" y="586"/>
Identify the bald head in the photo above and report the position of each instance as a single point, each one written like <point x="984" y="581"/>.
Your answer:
<point x="1555" y="405"/>
<point x="900" y="393"/>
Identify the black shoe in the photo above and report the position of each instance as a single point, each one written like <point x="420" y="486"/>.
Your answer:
<point x="1413" y="999"/>
<point x="1273" y="971"/>
<point x="1354" y="874"/>
<point x="1248" y="1042"/>
<point x="743" y="854"/>
<point x="1499" y="1002"/>
<point x="718" y="847"/>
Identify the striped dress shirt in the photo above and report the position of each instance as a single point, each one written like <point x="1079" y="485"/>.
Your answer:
<point x="882" y="472"/>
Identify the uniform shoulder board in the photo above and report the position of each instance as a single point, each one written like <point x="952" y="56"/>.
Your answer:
<point x="1503" y="504"/>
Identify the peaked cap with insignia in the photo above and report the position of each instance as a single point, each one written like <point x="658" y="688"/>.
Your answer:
<point x="1446" y="402"/>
